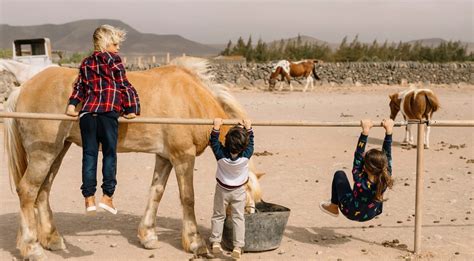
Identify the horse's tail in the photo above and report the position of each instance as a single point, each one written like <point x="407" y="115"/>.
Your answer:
<point x="432" y="102"/>
<point x="201" y="68"/>
<point x="17" y="161"/>
<point x="314" y="71"/>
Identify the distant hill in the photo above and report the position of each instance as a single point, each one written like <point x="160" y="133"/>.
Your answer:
<point x="434" y="42"/>
<point x="304" y="39"/>
<point x="77" y="37"/>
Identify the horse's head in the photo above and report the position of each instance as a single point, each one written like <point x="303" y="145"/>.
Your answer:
<point x="272" y="82"/>
<point x="273" y="77"/>
<point x="253" y="189"/>
<point x="394" y="105"/>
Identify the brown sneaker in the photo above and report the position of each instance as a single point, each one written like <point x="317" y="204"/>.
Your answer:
<point x="107" y="204"/>
<point x="329" y="208"/>
<point x="90" y="205"/>
<point x="216" y="248"/>
<point x="236" y="253"/>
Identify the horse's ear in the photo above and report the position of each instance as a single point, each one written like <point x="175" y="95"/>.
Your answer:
<point x="393" y="97"/>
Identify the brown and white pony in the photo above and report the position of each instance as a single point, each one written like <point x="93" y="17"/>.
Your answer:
<point x="36" y="148"/>
<point x="287" y="69"/>
<point x="419" y="104"/>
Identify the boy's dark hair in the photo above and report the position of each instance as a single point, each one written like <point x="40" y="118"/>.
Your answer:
<point x="236" y="139"/>
<point x="376" y="162"/>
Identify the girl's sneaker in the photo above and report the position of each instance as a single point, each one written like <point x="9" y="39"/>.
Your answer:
<point x="216" y="248"/>
<point x="236" y="253"/>
<point x="328" y="208"/>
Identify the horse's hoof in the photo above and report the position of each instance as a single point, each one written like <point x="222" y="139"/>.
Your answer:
<point x="56" y="244"/>
<point x="150" y="243"/>
<point x="35" y="253"/>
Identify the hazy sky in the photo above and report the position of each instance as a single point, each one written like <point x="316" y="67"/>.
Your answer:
<point x="213" y="21"/>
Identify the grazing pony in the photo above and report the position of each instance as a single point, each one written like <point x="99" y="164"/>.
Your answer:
<point x="418" y="104"/>
<point x="22" y="71"/>
<point x="36" y="148"/>
<point x="288" y="69"/>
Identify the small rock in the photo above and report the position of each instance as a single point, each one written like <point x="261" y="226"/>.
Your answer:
<point x="456" y="253"/>
<point x="151" y="256"/>
<point x="399" y="221"/>
<point x="317" y="181"/>
<point x="452" y="220"/>
<point x="319" y="252"/>
<point x="402" y="246"/>
<point x="281" y="252"/>
<point x="363" y="250"/>
<point x="371" y="226"/>
<point x="113" y="245"/>
<point x="436" y="221"/>
<point x="305" y="180"/>
<point x="406" y="184"/>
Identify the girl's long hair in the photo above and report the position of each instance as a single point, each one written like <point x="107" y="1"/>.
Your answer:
<point x="376" y="162"/>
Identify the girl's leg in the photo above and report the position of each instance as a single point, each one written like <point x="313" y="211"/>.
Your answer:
<point x="340" y="187"/>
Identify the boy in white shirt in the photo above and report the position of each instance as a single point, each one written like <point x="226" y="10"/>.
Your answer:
<point x="231" y="176"/>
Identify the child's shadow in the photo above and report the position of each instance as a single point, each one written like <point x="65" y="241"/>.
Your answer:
<point x="316" y="235"/>
<point x="379" y="142"/>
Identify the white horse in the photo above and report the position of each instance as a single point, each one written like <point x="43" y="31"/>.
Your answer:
<point x="22" y="71"/>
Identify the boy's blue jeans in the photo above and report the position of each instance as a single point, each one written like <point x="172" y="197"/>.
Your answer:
<point x="99" y="128"/>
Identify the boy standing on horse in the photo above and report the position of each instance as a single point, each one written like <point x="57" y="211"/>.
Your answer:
<point x="231" y="176"/>
<point x="105" y="93"/>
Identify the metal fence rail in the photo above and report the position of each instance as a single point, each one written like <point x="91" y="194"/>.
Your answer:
<point x="281" y="123"/>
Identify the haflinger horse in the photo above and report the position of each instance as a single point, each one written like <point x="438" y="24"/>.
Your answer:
<point x="22" y="71"/>
<point x="287" y="69"/>
<point x="36" y="148"/>
<point x="418" y="104"/>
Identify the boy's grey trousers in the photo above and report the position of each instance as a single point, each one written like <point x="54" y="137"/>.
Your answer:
<point x="222" y="199"/>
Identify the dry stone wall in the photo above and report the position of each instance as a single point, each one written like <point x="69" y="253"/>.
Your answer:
<point x="355" y="73"/>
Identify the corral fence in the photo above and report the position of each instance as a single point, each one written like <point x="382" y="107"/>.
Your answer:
<point x="180" y="121"/>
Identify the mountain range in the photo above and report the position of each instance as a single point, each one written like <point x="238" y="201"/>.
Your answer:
<point x="77" y="37"/>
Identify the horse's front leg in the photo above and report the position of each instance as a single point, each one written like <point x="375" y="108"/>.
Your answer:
<point x="282" y="81"/>
<point x="48" y="235"/>
<point x="308" y="81"/>
<point x="184" y="167"/>
<point x="146" y="229"/>
<point x="288" y="79"/>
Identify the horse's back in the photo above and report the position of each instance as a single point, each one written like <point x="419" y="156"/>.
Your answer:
<point x="419" y="103"/>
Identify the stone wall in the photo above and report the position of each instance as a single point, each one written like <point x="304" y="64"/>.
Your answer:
<point x="248" y="74"/>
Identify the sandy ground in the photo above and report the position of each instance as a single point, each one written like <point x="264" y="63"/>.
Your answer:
<point x="298" y="176"/>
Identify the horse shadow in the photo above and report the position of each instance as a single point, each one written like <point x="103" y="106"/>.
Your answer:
<point x="103" y="224"/>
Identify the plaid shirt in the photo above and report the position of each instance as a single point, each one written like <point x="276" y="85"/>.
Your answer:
<point x="102" y="86"/>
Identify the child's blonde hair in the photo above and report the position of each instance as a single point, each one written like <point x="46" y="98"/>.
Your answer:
<point x="105" y="35"/>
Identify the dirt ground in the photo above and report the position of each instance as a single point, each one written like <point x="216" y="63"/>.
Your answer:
<point x="299" y="169"/>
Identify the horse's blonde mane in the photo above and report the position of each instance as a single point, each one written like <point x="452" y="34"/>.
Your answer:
<point x="200" y="67"/>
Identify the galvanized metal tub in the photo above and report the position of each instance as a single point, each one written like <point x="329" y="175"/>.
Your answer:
<point x="263" y="229"/>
